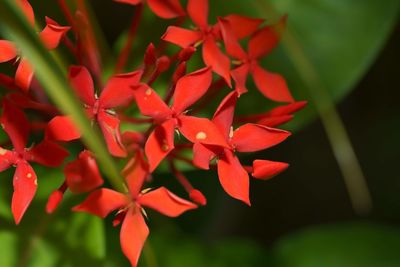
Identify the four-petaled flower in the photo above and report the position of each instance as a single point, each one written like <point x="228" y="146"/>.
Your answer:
<point x="16" y="125"/>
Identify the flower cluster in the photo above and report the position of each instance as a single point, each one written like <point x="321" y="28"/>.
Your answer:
<point x="173" y="126"/>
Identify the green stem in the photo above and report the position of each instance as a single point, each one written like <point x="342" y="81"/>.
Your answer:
<point x="54" y="80"/>
<point x="335" y="129"/>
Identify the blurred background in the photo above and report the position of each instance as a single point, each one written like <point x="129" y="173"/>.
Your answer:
<point x="332" y="207"/>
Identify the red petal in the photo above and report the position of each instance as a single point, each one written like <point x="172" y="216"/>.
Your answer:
<point x="287" y="109"/>
<point x="53" y="201"/>
<point x="129" y="2"/>
<point x="61" y="128"/>
<point x="202" y="156"/>
<point x="137" y="174"/>
<point x="82" y="175"/>
<point x="265" y="169"/>
<point x="223" y="116"/>
<point x="239" y="75"/>
<point x="82" y="83"/>
<point x="7" y="158"/>
<point x="233" y="177"/>
<point x="198" y="12"/>
<point x="243" y="26"/>
<point x="16" y="125"/>
<point x="181" y="37"/>
<point x="102" y="201"/>
<point x="118" y="91"/>
<point x="191" y="88"/>
<point x="160" y="143"/>
<point x="27" y="10"/>
<point x="8" y="51"/>
<point x="254" y="137"/>
<point x="165" y="202"/>
<point x="109" y="125"/>
<point x="150" y="103"/>
<point x="134" y="232"/>
<point x="52" y="34"/>
<point x="265" y="39"/>
<point x="201" y="130"/>
<point x="166" y="9"/>
<point x="272" y="85"/>
<point x="275" y="121"/>
<point x="47" y="153"/>
<point x="25" y="185"/>
<point x="197" y="197"/>
<point x="213" y="57"/>
<point x="24" y="75"/>
<point x="232" y="45"/>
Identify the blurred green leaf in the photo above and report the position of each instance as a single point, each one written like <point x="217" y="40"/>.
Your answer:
<point x="346" y="245"/>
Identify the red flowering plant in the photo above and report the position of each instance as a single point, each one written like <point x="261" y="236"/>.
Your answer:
<point x="160" y="124"/>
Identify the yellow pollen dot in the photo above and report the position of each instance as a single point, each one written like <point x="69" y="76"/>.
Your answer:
<point x="165" y="147"/>
<point x="201" y="136"/>
<point x="231" y="132"/>
<point x="29" y="175"/>
<point x="35" y="182"/>
<point x="148" y="92"/>
<point x="2" y="151"/>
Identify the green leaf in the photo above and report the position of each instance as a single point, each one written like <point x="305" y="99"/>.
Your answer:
<point x="53" y="78"/>
<point x="346" y="245"/>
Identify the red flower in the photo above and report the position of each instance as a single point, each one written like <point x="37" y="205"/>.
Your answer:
<point x="16" y="125"/>
<point x="166" y="9"/>
<point x="189" y="89"/>
<point x="134" y="230"/>
<point x="50" y="36"/>
<point x="271" y="85"/>
<point x="247" y="138"/>
<point x="116" y="93"/>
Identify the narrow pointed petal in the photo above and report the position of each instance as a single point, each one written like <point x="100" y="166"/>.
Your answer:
<point x="109" y="125"/>
<point x="202" y="155"/>
<point x="16" y="125"/>
<point x="8" y="51"/>
<point x="198" y="12"/>
<point x="243" y="26"/>
<point x="82" y="83"/>
<point x="275" y="121"/>
<point x="102" y="201"/>
<point x="231" y="42"/>
<point x="266" y="169"/>
<point x="150" y="103"/>
<point x="266" y="39"/>
<point x="82" y="175"/>
<point x="24" y="75"/>
<point x="61" y="128"/>
<point x="7" y="158"/>
<point x="130" y="2"/>
<point x="239" y="75"/>
<point x="166" y="9"/>
<point x="201" y="130"/>
<point x="254" y="137"/>
<point x="165" y="202"/>
<point x="191" y="88"/>
<point x="134" y="232"/>
<point x="233" y="177"/>
<point x="27" y="10"/>
<point x="160" y="143"/>
<point x="52" y="34"/>
<point x="197" y="197"/>
<point x="47" y="153"/>
<point x="287" y="109"/>
<point x="271" y="85"/>
<point x="25" y="185"/>
<point x="118" y="91"/>
<point x="181" y="37"/>
<point x="223" y="116"/>
<point x="137" y="174"/>
<point x="214" y="58"/>
<point x="53" y="201"/>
